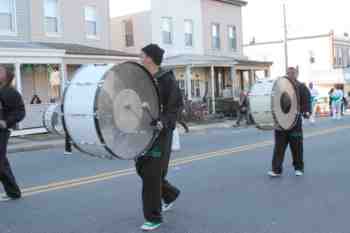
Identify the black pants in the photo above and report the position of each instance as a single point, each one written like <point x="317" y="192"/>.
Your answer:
<point x="282" y="139"/>
<point x="68" y="144"/>
<point x="155" y="186"/>
<point x="184" y="125"/>
<point x="242" y="115"/>
<point x="6" y="176"/>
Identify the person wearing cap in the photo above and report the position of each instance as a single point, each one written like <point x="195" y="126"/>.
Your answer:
<point x="158" y="194"/>
<point x="12" y="111"/>
<point x="294" y="136"/>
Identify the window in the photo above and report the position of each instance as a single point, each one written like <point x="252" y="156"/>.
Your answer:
<point x="91" y="21"/>
<point x="7" y="16"/>
<point x="51" y="17"/>
<point x="167" y="29"/>
<point x="181" y="85"/>
<point x="129" y="33"/>
<point x="232" y="38"/>
<point x="189" y="33"/>
<point x="195" y="88"/>
<point x="339" y="57"/>
<point x="345" y="53"/>
<point x="215" y="36"/>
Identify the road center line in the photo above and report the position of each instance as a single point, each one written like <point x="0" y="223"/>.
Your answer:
<point x="173" y="163"/>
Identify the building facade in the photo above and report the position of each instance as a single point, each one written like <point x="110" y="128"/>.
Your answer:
<point x="83" y="22"/>
<point x="322" y="59"/>
<point x="203" y="43"/>
<point x="46" y="41"/>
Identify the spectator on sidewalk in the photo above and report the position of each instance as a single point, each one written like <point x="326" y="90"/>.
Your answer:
<point x="243" y="109"/>
<point x="337" y="99"/>
<point x="330" y="93"/>
<point x="314" y="98"/>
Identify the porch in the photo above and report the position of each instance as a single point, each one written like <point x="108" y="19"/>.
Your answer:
<point x="44" y="69"/>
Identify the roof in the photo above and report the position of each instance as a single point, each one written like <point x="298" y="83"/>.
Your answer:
<point x="289" y="39"/>
<point x="234" y="2"/>
<point x="248" y="62"/>
<point x="70" y="49"/>
<point x="207" y="60"/>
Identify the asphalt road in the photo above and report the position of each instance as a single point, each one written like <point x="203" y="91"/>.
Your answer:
<point x="222" y="175"/>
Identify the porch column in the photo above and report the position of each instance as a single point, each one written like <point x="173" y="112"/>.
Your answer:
<point x="18" y="84"/>
<point x="18" y="77"/>
<point x="188" y="82"/>
<point x="212" y="89"/>
<point x="250" y="73"/>
<point x="63" y="72"/>
<point x="233" y="77"/>
<point x="267" y="73"/>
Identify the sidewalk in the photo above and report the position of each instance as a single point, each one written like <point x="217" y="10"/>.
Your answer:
<point x="47" y="141"/>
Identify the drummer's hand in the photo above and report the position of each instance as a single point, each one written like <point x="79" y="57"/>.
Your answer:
<point x="307" y="115"/>
<point x="158" y="124"/>
<point x="3" y="124"/>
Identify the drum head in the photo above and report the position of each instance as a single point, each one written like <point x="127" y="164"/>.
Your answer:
<point x="52" y="119"/>
<point x="285" y="103"/>
<point x="122" y="121"/>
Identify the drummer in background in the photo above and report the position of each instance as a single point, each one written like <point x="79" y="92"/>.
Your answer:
<point x="12" y="111"/>
<point x="294" y="136"/>
<point x="314" y="98"/>
<point x="153" y="167"/>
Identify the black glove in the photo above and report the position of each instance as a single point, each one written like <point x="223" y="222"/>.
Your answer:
<point x="158" y="124"/>
<point x="154" y="122"/>
<point x="306" y="115"/>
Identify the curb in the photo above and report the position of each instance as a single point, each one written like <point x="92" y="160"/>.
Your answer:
<point x="50" y="144"/>
<point x="27" y="147"/>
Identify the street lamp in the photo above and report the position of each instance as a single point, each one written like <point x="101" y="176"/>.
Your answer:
<point x="285" y="36"/>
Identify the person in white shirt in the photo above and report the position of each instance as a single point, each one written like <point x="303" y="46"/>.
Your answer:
<point x="337" y="98"/>
<point x="314" y="98"/>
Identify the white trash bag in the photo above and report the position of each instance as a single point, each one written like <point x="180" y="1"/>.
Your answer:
<point x="176" y="146"/>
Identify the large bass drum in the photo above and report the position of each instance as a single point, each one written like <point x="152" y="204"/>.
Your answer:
<point x="274" y="104"/>
<point x="104" y="110"/>
<point x="52" y="119"/>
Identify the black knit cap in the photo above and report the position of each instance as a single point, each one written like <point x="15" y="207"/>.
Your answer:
<point x="155" y="53"/>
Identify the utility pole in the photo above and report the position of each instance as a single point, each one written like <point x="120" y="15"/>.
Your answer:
<point x="285" y="36"/>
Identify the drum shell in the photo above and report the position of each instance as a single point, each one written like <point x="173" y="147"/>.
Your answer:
<point x="100" y="99"/>
<point x="79" y="119"/>
<point x="260" y="103"/>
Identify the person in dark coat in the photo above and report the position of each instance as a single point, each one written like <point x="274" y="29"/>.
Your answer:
<point x="12" y="111"/>
<point x="243" y="109"/>
<point x="294" y="136"/>
<point x="153" y="167"/>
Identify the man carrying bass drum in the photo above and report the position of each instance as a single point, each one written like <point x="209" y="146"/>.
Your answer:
<point x="294" y="136"/>
<point x="153" y="167"/>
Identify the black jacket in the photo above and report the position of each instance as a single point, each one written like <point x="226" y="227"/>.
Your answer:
<point x="304" y="98"/>
<point x="13" y="110"/>
<point x="170" y="97"/>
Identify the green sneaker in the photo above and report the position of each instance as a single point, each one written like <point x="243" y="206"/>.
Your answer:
<point x="150" y="226"/>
